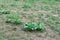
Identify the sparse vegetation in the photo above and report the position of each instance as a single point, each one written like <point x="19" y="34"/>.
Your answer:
<point x="6" y="11"/>
<point x="41" y="19"/>
<point x="16" y="0"/>
<point x="57" y="0"/>
<point x="13" y="5"/>
<point x="13" y="18"/>
<point x="25" y="6"/>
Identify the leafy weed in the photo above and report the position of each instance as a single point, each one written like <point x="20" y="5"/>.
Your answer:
<point x="13" y="18"/>
<point x="33" y="26"/>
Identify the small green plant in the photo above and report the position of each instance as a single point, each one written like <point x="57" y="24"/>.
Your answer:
<point x="16" y="0"/>
<point x="57" y="0"/>
<point x="14" y="4"/>
<point x="39" y="26"/>
<point x="29" y="26"/>
<point x="46" y="8"/>
<point x="25" y="6"/>
<point x="30" y="1"/>
<point x="13" y="18"/>
<point x="34" y="26"/>
<point x="5" y="12"/>
<point x="2" y="5"/>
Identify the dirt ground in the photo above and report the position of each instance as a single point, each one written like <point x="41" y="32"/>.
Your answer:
<point x="38" y="11"/>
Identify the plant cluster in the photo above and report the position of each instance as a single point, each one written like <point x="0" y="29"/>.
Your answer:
<point x="14" y="18"/>
<point x="25" y="6"/>
<point x="5" y="12"/>
<point x="33" y="26"/>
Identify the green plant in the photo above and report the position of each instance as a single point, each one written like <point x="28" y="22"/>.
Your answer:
<point x="5" y="12"/>
<point x="13" y="18"/>
<point x="14" y="4"/>
<point x="16" y="0"/>
<point x="57" y="0"/>
<point x="25" y="6"/>
<point x="2" y="5"/>
<point x="39" y="26"/>
<point x="46" y="7"/>
<point x="29" y="25"/>
<point x="34" y="26"/>
<point x="30" y="1"/>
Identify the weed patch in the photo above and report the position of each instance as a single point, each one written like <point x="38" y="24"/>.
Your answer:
<point x="5" y="12"/>
<point x="13" y="18"/>
<point x="14" y="5"/>
<point x="33" y="26"/>
<point x="25" y="6"/>
<point x="16" y="0"/>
